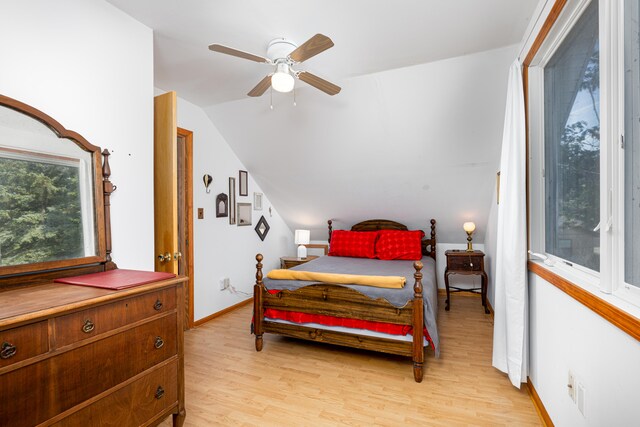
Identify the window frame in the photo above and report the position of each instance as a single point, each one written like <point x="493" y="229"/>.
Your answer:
<point x="535" y="81"/>
<point x="620" y="287"/>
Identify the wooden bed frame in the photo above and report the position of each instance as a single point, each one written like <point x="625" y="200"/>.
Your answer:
<point x="340" y="301"/>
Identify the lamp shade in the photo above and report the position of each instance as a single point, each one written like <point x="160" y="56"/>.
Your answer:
<point x="282" y="80"/>
<point x="302" y="237"/>
<point x="469" y="227"/>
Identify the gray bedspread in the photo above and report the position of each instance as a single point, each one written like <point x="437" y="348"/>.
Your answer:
<point x="375" y="267"/>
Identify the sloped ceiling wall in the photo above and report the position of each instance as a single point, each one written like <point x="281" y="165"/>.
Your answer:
<point x="408" y="144"/>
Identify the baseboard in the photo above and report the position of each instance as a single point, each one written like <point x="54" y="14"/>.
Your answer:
<point x="542" y="411"/>
<point x="221" y="312"/>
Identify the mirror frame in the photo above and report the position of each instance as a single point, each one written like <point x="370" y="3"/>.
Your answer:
<point x="102" y="187"/>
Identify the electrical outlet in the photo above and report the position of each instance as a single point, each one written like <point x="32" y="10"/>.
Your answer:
<point x="224" y="283"/>
<point x="571" y="386"/>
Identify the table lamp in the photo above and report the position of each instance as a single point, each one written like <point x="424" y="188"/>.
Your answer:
<point x="302" y="239"/>
<point x="469" y="227"/>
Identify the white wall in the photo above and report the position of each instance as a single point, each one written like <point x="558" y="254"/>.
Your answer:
<point x="220" y="249"/>
<point x="90" y="67"/>
<point x="565" y="335"/>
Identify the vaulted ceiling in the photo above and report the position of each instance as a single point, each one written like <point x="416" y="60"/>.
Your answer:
<point x="415" y="132"/>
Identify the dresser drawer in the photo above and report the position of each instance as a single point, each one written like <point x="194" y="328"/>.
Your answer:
<point x="150" y="304"/>
<point x="133" y="405"/>
<point x="91" y="369"/>
<point x="23" y="343"/>
<point x="94" y="321"/>
<point x="467" y="263"/>
<point x="37" y="392"/>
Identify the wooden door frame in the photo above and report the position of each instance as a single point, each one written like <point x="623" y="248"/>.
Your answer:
<point x="188" y="212"/>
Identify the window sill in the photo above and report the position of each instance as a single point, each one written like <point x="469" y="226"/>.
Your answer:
<point x="616" y="311"/>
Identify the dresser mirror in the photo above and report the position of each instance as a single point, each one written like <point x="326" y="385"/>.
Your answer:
<point x="52" y="204"/>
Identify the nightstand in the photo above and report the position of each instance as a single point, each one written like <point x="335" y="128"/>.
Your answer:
<point x="466" y="263"/>
<point x="291" y="261"/>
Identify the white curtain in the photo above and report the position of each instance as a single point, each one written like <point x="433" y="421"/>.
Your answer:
<point x="510" y="348"/>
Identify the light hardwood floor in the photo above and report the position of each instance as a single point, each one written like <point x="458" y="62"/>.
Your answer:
<point x="299" y="383"/>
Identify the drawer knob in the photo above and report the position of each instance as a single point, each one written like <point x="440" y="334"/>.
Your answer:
<point x="88" y="326"/>
<point x="158" y="305"/>
<point x="8" y="350"/>
<point x="159" y="343"/>
<point x="159" y="392"/>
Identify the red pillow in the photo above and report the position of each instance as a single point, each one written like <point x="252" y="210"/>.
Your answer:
<point x="357" y="244"/>
<point x="397" y="244"/>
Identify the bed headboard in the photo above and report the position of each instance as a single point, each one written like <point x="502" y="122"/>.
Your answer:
<point x="428" y="245"/>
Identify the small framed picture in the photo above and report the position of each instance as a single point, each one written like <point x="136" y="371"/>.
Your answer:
<point x="222" y="203"/>
<point x="257" y="201"/>
<point x="262" y="228"/>
<point x="232" y="200"/>
<point x="244" y="214"/>
<point x="243" y="183"/>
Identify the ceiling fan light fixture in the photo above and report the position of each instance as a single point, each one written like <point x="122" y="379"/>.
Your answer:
<point x="282" y="80"/>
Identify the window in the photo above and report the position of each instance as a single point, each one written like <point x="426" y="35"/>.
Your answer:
<point x="584" y="133"/>
<point x="572" y="145"/>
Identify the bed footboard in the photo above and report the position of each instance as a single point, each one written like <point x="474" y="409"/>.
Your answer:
<point x="258" y="310"/>
<point x="418" y="323"/>
<point x="340" y="301"/>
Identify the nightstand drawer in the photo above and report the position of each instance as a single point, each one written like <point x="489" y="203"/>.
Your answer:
<point x="289" y="262"/>
<point x="467" y="263"/>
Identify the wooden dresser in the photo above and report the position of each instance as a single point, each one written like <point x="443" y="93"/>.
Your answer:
<point x="82" y="356"/>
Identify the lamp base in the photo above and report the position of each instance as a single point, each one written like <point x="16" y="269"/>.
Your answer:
<point x="302" y="252"/>
<point x="469" y="245"/>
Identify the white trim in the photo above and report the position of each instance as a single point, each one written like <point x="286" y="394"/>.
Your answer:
<point x="565" y="22"/>
<point x="536" y="158"/>
<point x="609" y="133"/>
<point x="87" y="208"/>
<point x="533" y="28"/>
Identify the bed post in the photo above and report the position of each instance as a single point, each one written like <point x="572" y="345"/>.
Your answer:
<point x="258" y="313"/>
<point x="433" y="239"/>
<point x="330" y="229"/>
<point x="418" y="324"/>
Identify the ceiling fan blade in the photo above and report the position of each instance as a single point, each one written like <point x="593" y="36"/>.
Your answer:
<point x="315" y="81"/>
<point x="240" y="54"/>
<point x="261" y="87"/>
<point x="310" y="48"/>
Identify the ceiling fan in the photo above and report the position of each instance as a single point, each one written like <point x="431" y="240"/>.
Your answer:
<point x="284" y="55"/>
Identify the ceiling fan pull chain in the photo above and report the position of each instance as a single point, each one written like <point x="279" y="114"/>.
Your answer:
<point x="271" y="97"/>
<point x="294" y="96"/>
